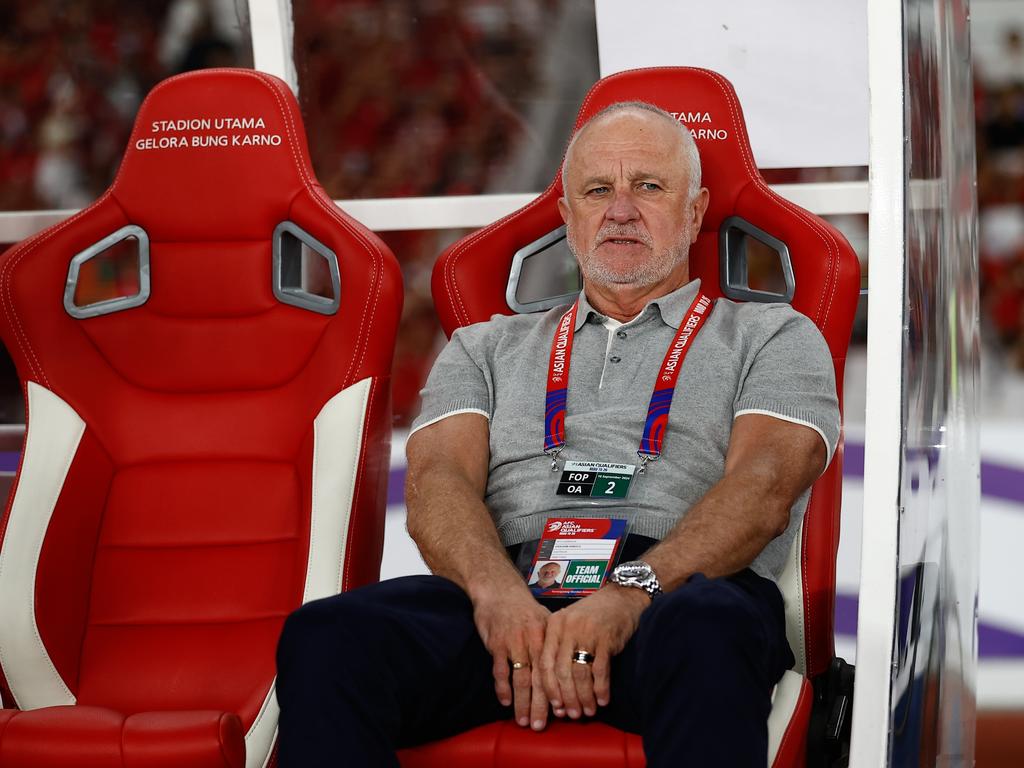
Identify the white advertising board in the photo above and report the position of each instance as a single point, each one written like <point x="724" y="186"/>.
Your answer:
<point x="799" y="66"/>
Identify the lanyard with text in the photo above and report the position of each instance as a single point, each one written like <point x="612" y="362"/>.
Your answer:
<point x="661" y="399"/>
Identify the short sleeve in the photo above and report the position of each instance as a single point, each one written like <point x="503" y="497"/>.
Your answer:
<point x="458" y="383"/>
<point x="791" y="377"/>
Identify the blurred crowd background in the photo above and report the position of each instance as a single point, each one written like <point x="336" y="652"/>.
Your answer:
<point x="409" y="98"/>
<point x="999" y="111"/>
<point x="400" y="98"/>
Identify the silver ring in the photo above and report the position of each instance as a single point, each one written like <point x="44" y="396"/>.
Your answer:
<point x="519" y="665"/>
<point x="581" y="656"/>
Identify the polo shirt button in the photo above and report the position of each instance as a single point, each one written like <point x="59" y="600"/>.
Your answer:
<point x="621" y="334"/>
<point x="615" y="358"/>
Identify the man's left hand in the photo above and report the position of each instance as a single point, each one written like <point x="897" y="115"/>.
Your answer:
<point x="602" y="624"/>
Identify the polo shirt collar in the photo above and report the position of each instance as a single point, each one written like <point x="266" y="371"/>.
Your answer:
<point x="672" y="306"/>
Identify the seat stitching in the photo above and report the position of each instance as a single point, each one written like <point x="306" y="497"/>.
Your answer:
<point x="346" y="561"/>
<point x="335" y="213"/>
<point x="7" y="278"/>
<point x="263" y="708"/>
<point x="131" y="380"/>
<point x="787" y="734"/>
<point x="829" y="289"/>
<point x="31" y="592"/>
<point x="800" y="213"/>
<point x="808" y="609"/>
<point x="823" y="233"/>
<point x="747" y="156"/>
<point x="460" y="249"/>
<point x="202" y="544"/>
<point x="801" y="565"/>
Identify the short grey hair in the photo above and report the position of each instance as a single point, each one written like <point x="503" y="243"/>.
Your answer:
<point x="689" y="145"/>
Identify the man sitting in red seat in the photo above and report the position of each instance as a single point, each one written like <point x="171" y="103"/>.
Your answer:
<point x="685" y="639"/>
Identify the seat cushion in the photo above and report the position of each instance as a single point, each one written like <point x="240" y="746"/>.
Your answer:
<point x="95" y="737"/>
<point x="507" y="745"/>
<point x="596" y="745"/>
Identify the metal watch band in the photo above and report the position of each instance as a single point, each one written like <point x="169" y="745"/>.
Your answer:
<point x="648" y="583"/>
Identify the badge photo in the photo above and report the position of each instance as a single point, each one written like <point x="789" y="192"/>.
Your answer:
<point x="547" y="575"/>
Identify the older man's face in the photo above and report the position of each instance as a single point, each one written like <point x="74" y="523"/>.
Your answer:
<point x="629" y="218"/>
<point x="548" y="573"/>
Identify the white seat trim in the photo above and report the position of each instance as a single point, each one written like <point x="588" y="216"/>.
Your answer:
<point x="337" y="444"/>
<point x="784" y="701"/>
<point x="54" y="433"/>
<point x="337" y="447"/>
<point x="791" y="585"/>
<point x="259" y="741"/>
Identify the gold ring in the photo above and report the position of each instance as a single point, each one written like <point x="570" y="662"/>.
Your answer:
<point x="581" y="656"/>
<point x="519" y="665"/>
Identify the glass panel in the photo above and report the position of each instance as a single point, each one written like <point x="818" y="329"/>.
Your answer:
<point x="316" y="274"/>
<point x="74" y="75"/>
<point x="547" y="271"/>
<point x="552" y="272"/>
<point x="764" y="267"/>
<point x="751" y="259"/>
<point x="933" y="695"/>
<point x="420" y="98"/>
<point x="111" y="274"/>
<point x="305" y="269"/>
<point x="420" y="337"/>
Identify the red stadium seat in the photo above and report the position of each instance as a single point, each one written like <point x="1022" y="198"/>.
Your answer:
<point x="469" y="286"/>
<point x="204" y="452"/>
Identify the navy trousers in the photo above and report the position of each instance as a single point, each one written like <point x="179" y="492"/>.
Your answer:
<point x="400" y="663"/>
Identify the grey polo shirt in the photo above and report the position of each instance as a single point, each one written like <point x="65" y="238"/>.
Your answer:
<point x="748" y="358"/>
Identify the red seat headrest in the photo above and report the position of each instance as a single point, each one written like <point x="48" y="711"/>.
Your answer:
<point x="248" y="129"/>
<point x="706" y="103"/>
<point x="470" y="278"/>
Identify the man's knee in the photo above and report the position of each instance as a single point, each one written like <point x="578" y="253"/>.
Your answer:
<point x="353" y="625"/>
<point x="705" y="618"/>
<point x="309" y="639"/>
<point x="327" y="627"/>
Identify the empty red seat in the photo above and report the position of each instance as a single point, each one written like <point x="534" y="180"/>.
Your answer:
<point x="206" y="447"/>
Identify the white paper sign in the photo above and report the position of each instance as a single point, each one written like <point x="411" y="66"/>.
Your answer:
<point x="799" y="66"/>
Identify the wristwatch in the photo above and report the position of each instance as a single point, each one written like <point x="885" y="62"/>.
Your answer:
<point x="637" y="573"/>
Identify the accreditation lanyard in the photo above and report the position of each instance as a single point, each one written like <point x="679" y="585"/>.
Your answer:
<point x="661" y="399"/>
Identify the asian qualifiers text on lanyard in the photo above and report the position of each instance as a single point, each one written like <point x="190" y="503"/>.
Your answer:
<point x="661" y="399"/>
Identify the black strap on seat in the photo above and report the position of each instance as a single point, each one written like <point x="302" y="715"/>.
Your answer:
<point x="828" y="738"/>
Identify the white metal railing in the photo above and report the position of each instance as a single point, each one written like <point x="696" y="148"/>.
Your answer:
<point x="472" y="211"/>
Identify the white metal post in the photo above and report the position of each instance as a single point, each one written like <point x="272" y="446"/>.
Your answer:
<point x="270" y="23"/>
<point x="871" y="738"/>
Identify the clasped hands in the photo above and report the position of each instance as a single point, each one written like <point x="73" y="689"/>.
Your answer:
<point x="533" y="649"/>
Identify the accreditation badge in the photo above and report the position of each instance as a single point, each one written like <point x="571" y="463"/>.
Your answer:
<point x="595" y="480"/>
<point x="575" y="555"/>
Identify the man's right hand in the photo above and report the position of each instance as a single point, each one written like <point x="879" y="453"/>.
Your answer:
<point x="512" y="625"/>
<point x="455" y="533"/>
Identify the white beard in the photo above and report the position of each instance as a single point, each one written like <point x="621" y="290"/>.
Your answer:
<point x="640" y="273"/>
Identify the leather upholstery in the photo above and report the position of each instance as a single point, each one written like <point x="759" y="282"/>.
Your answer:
<point x="95" y="737"/>
<point x="469" y="283"/>
<point x="188" y="516"/>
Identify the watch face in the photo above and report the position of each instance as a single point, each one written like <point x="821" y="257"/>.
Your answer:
<point x="633" y="570"/>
